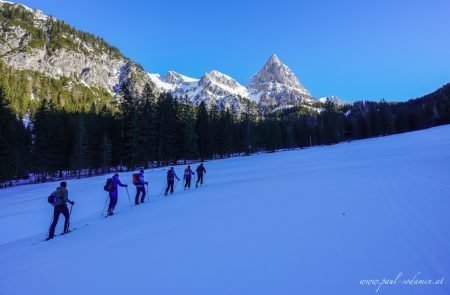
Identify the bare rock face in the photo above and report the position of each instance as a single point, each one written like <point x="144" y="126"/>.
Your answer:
<point x="84" y="61"/>
<point x="94" y="70"/>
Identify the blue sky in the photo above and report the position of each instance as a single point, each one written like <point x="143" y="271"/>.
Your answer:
<point x="363" y="49"/>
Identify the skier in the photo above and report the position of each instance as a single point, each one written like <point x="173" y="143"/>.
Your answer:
<point x="114" y="193"/>
<point x="171" y="175"/>
<point x="187" y="177"/>
<point x="200" y="170"/>
<point x="139" y="182"/>
<point x="61" y="198"/>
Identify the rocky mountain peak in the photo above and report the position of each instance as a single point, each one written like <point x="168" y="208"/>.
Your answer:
<point x="173" y="77"/>
<point x="274" y="59"/>
<point x="218" y="77"/>
<point x="275" y="71"/>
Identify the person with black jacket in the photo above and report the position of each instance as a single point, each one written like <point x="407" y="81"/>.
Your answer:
<point x="61" y="198"/>
<point x="200" y="171"/>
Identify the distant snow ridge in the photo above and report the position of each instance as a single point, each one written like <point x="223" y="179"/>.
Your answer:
<point x="275" y="85"/>
<point x="213" y="88"/>
<point x="336" y="100"/>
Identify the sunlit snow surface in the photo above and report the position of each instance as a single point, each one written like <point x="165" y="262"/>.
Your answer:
<point x="312" y="221"/>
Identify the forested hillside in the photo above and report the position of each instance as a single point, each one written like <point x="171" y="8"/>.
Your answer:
<point x="61" y="141"/>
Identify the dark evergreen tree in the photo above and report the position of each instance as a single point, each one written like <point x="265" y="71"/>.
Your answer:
<point x="203" y="132"/>
<point x="166" y="118"/>
<point x="8" y="143"/>
<point x="130" y="130"/>
<point x="79" y="157"/>
<point x="52" y="140"/>
<point x="190" y="137"/>
<point x="106" y="153"/>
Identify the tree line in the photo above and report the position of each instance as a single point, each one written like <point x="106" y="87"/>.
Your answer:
<point x="160" y="130"/>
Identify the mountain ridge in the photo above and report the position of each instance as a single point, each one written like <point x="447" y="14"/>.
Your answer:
<point x="34" y="41"/>
<point x="275" y="85"/>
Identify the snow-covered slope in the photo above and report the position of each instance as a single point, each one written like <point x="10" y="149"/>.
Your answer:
<point x="314" y="221"/>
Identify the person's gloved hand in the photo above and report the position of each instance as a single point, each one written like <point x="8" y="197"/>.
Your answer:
<point x="73" y="203"/>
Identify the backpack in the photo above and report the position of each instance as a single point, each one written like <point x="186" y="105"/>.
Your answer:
<point x="55" y="197"/>
<point x="170" y="174"/>
<point x="109" y="185"/>
<point x="52" y="199"/>
<point x="200" y="169"/>
<point x="136" y="179"/>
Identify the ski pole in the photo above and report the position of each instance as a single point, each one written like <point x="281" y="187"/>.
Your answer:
<point x="131" y="206"/>
<point x="148" y="196"/>
<point x="162" y="191"/>
<point x="53" y="218"/>
<point x="104" y="207"/>
<point x="68" y="223"/>
<point x="176" y="185"/>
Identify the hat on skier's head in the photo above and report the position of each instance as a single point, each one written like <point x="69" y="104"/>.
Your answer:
<point x="116" y="175"/>
<point x="189" y="166"/>
<point x="141" y="171"/>
<point x="171" y="168"/>
<point x="63" y="184"/>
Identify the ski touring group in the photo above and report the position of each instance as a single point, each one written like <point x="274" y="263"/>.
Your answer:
<point x="60" y="197"/>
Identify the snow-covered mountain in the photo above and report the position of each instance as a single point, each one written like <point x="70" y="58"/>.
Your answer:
<point x="212" y="88"/>
<point x="39" y="43"/>
<point x="275" y="85"/>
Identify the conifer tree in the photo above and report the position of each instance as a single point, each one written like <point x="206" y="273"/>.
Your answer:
<point x="79" y="157"/>
<point x="203" y="135"/>
<point x="8" y="144"/>
<point x="166" y="118"/>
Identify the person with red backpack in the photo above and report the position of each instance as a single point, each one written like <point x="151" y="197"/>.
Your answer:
<point x="171" y="175"/>
<point x="139" y="182"/>
<point x="60" y="199"/>
<point x="187" y="177"/>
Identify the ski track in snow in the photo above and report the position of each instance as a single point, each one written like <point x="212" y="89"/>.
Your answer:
<point x="312" y="221"/>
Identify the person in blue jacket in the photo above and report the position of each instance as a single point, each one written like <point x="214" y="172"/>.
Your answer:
<point x="114" y="193"/>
